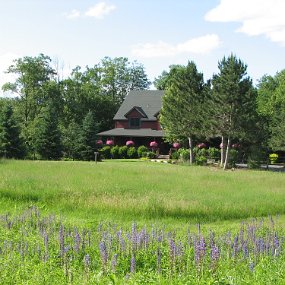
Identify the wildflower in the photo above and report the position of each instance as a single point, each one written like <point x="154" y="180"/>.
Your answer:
<point x="87" y="261"/>
<point x="133" y="264"/>
<point x="114" y="262"/>
<point x="103" y="252"/>
<point x="215" y="253"/>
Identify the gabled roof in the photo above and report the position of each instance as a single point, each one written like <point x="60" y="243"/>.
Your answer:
<point x="138" y="109"/>
<point x="149" y="101"/>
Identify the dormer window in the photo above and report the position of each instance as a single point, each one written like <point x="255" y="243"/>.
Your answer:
<point x="134" y="123"/>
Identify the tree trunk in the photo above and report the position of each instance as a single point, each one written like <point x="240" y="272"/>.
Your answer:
<point x="222" y="151"/>
<point x="190" y="150"/>
<point x="227" y="154"/>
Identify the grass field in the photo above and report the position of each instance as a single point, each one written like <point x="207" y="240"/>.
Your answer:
<point x="112" y="195"/>
<point x="136" y="190"/>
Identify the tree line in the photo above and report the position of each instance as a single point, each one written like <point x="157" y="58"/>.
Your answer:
<point x="228" y="108"/>
<point x="52" y="117"/>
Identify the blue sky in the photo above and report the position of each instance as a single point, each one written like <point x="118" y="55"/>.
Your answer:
<point x="156" y="33"/>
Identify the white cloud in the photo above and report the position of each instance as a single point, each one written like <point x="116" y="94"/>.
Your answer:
<point x="73" y="14"/>
<point x="100" y="10"/>
<point x="258" y="17"/>
<point x="200" y="45"/>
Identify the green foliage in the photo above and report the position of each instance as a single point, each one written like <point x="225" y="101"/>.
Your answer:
<point x="201" y="160"/>
<point x="115" y="152"/>
<point x="123" y="151"/>
<point x="214" y="153"/>
<point x="132" y="152"/>
<point x="11" y="145"/>
<point x="184" y="154"/>
<point x="151" y="155"/>
<point x="105" y="152"/>
<point x="142" y="151"/>
<point x="175" y="155"/>
<point x="273" y="157"/>
<point x="182" y="114"/>
<point x="233" y="159"/>
<point x="48" y="136"/>
<point x="234" y="99"/>
<point x="88" y="137"/>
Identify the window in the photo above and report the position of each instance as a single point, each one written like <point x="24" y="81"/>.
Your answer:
<point x="134" y="123"/>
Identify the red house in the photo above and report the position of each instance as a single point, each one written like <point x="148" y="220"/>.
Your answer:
<point x="137" y="120"/>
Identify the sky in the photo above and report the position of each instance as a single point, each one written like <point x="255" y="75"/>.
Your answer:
<point x="155" y="33"/>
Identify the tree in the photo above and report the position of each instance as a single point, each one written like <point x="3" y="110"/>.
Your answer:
<point x="48" y="136"/>
<point x="11" y="145"/>
<point x="235" y="102"/>
<point x="32" y="74"/>
<point x="271" y="104"/>
<point x="182" y="105"/>
<point x="88" y="137"/>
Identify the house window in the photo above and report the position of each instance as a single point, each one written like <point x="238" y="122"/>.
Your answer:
<point x="134" y="123"/>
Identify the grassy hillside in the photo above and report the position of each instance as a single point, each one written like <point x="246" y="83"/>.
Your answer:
<point x="128" y="190"/>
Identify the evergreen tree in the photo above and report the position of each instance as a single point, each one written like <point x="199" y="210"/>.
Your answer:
<point x="11" y="145"/>
<point x="235" y="102"/>
<point x="182" y="113"/>
<point x="48" y="136"/>
<point x="88" y="137"/>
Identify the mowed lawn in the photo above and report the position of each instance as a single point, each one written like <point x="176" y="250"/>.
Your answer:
<point x="139" y="191"/>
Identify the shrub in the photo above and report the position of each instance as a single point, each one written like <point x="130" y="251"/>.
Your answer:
<point x="201" y="160"/>
<point x="184" y="154"/>
<point x="142" y="151"/>
<point x="175" y="155"/>
<point x="214" y="153"/>
<point x="105" y="152"/>
<point x="115" y="152"/>
<point x="151" y="155"/>
<point x="123" y="151"/>
<point x="273" y="158"/>
<point x="132" y="152"/>
<point x="233" y="157"/>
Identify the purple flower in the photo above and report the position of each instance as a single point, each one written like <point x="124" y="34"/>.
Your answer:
<point x="87" y="260"/>
<point x="215" y="253"/>
<point x="133" y="264"/>
<point x="103" y="253"/>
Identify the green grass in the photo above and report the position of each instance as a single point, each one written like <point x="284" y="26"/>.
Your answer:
<point x="140" y="190"/>
<point x="96" y="204"/>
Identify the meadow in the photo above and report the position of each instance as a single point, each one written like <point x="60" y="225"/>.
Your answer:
<point x="138" y="222"/>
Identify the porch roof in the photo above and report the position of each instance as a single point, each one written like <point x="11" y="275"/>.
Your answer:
<point x="120" y="132"/>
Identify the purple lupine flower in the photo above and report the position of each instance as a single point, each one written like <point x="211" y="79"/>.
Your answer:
<point x="61" y="239"/>
<point x="245" y="250"/>
<point x="235" y="246"/>
<point x="172" y="250"/>
<point x="77" y="241"/>
<point x="87" y="261"/>
<point x="103" y="252"/>
<point x="199" y="249"/>
<point x="215" y="253"/>
<point x="133" y="264"/>
<point x="251" y="266"/>
<point x="114" y="262"/>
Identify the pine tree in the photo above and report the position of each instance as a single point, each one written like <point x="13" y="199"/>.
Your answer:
<point x="234" y="98"/>
<point x="88" y="137"/>
<point x="182" y="113"/>
<point x="11" y="145"/>
<point x="48" y="136"/>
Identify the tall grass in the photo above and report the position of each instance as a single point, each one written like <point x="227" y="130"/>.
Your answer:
<point x="127" y="191"/>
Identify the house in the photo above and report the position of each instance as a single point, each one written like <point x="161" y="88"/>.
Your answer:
<point x="137" y="120"/>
